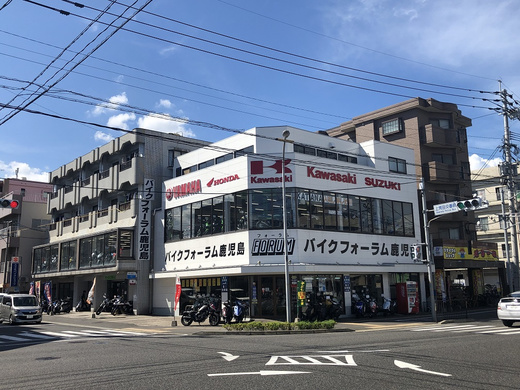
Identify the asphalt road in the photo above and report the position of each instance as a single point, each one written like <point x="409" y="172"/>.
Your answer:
<point x="378" y="355"/>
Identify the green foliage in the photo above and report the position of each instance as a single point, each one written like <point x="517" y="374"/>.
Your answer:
<point x="277" y="325"/>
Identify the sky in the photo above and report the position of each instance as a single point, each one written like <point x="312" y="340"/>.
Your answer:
<point x="71" y="81"/>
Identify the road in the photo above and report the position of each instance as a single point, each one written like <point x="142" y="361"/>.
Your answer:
<point x="389" y="355"/>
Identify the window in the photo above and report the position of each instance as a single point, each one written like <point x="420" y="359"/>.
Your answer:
<point x="206" y="164"/>
<point x="225" y="157"/>
<point x="443" y="158"/>
<point x="316" y="203"/>
<point x="329" y="211"/>
<point x="392" y="127"/>
<point x="396" y="165"/>
<point x="483" y="224"/>
<point x="498" y="193"/>
<point x="442" y="123"/>
<point x="125" y="243"/>
<point x="304" y="149"/>
<point x="245" y="151"/>
<point x="68" y="255"/>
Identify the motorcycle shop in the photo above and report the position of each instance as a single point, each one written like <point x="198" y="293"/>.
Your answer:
<point x="350" y="223"/>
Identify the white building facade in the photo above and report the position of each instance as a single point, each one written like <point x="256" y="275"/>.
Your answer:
<point x="351" y="211"/>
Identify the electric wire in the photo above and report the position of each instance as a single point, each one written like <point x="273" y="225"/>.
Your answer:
<point x="271" y="67"/>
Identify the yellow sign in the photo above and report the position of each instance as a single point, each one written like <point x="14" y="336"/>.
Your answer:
<point x="462" y="253"/>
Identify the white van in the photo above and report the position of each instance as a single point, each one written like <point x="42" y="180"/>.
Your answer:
<point x="20" y="309"/>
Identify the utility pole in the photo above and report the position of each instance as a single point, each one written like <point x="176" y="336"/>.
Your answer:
<point x="505" y="223"/>
<point x="510" y="174"/>
<point x="429" y="258"/>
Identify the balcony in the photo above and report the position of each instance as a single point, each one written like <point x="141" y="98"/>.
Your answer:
<point x="438" y="137"/>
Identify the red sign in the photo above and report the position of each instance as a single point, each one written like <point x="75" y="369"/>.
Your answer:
<point x="190" y="188"/>
<point x="222" y="180"/>
<point x="178" y="290"/>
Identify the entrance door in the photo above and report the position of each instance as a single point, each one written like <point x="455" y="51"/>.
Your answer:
<point x="272" y="303"/>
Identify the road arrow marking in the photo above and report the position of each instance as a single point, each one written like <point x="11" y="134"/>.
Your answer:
<point x="401" y="364"/>
<point x="229" y="357"/>
<point x="263" y="373"/>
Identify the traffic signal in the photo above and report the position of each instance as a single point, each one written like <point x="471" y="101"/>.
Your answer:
<point x="9" y="204"/>
<point x="416" y="252"/>
<point x="470" y="204"/>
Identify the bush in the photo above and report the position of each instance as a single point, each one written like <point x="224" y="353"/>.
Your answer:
<point x="277" y="325"/>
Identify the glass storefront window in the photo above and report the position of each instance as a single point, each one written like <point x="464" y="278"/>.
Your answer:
<point x="85" y="252"/>
<point x="366" y="214"/>
<point x="329" y="211"/>
<point x="261" y="209"/>
<point x="126" y="243"/>
<point x="68" y="255"/>
<point x="388" y="217"/>
<point x="316" y="208"/>
<point x="303" y="209"/>
<point x="306" y="209"/>
<point x="218" y="215"/>
<point x="186" y="221"/>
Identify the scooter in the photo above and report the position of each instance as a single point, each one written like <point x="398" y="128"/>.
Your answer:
<point x="359" y="306"/>
<point x="389" y="306"/>
<point x="106" y="305"/>
<point x="239" y="310"/>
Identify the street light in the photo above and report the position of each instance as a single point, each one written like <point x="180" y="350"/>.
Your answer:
<point x="285" y="134"/>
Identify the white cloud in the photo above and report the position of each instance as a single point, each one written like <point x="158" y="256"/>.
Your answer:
<point x="24" y="170"/>
<point x="100" y="136"/>
<point x="476" y="162"/>
<point x="465" y="33"/>
<point x="165" y="103"/>
<point x="114" y="102"/>
<point x="120" y="121"/>
<point x="163" y="123"/>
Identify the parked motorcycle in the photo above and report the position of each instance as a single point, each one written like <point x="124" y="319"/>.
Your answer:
<point x="199" y="312"/>
<point x="121" y="306"/>
<point x="227" y="312"/>
<point x="82" y="306"/>
<point x="359" y="307"/>
<point x="106" y="305"/>
<point x="389" y="306"/>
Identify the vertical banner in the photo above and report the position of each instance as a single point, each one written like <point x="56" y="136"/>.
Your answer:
<point x="178" y="290"/>
<point x="37" y="288"/>
<point x="145" y="211"/>
<point x="15" y="267"/>
<point x="90" y="297"/>
<point x="47" y="290"/>
<point x="31" y="289"/>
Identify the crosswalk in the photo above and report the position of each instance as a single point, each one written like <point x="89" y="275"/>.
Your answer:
<point x="34" y="336"/>
<point x="468" y="328"/>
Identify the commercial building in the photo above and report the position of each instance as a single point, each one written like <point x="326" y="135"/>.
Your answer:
<point x="493" y="222"/>
<point x="20" y="229"/>
<point x="437" y="132"/>
<point x="351" y="210"/>
<point x="102" y="208"/>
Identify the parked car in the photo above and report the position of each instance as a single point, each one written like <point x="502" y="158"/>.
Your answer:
<point x="508" y="309"/>
<point x="20" y="308"/>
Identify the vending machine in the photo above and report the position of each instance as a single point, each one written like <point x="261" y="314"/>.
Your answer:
<point x="407" y="298"/>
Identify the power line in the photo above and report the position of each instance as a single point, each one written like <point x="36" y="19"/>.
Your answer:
<point x="297" y="55"/>
<point x="278" y="69"/>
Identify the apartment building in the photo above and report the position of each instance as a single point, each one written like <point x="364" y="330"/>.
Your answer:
<point x="20" y="229"/>
<point x="437" y="132"/>
<point x="102" y="207"/>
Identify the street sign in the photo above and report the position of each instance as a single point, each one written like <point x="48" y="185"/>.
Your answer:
<point x="131" y="275"/>
<point x="445" y="208"/>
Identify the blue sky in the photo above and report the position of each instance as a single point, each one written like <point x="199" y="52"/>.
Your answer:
<point x="307" y="64"/>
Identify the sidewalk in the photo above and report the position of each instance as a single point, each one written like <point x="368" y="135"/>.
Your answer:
<point x="171" y="325"/>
